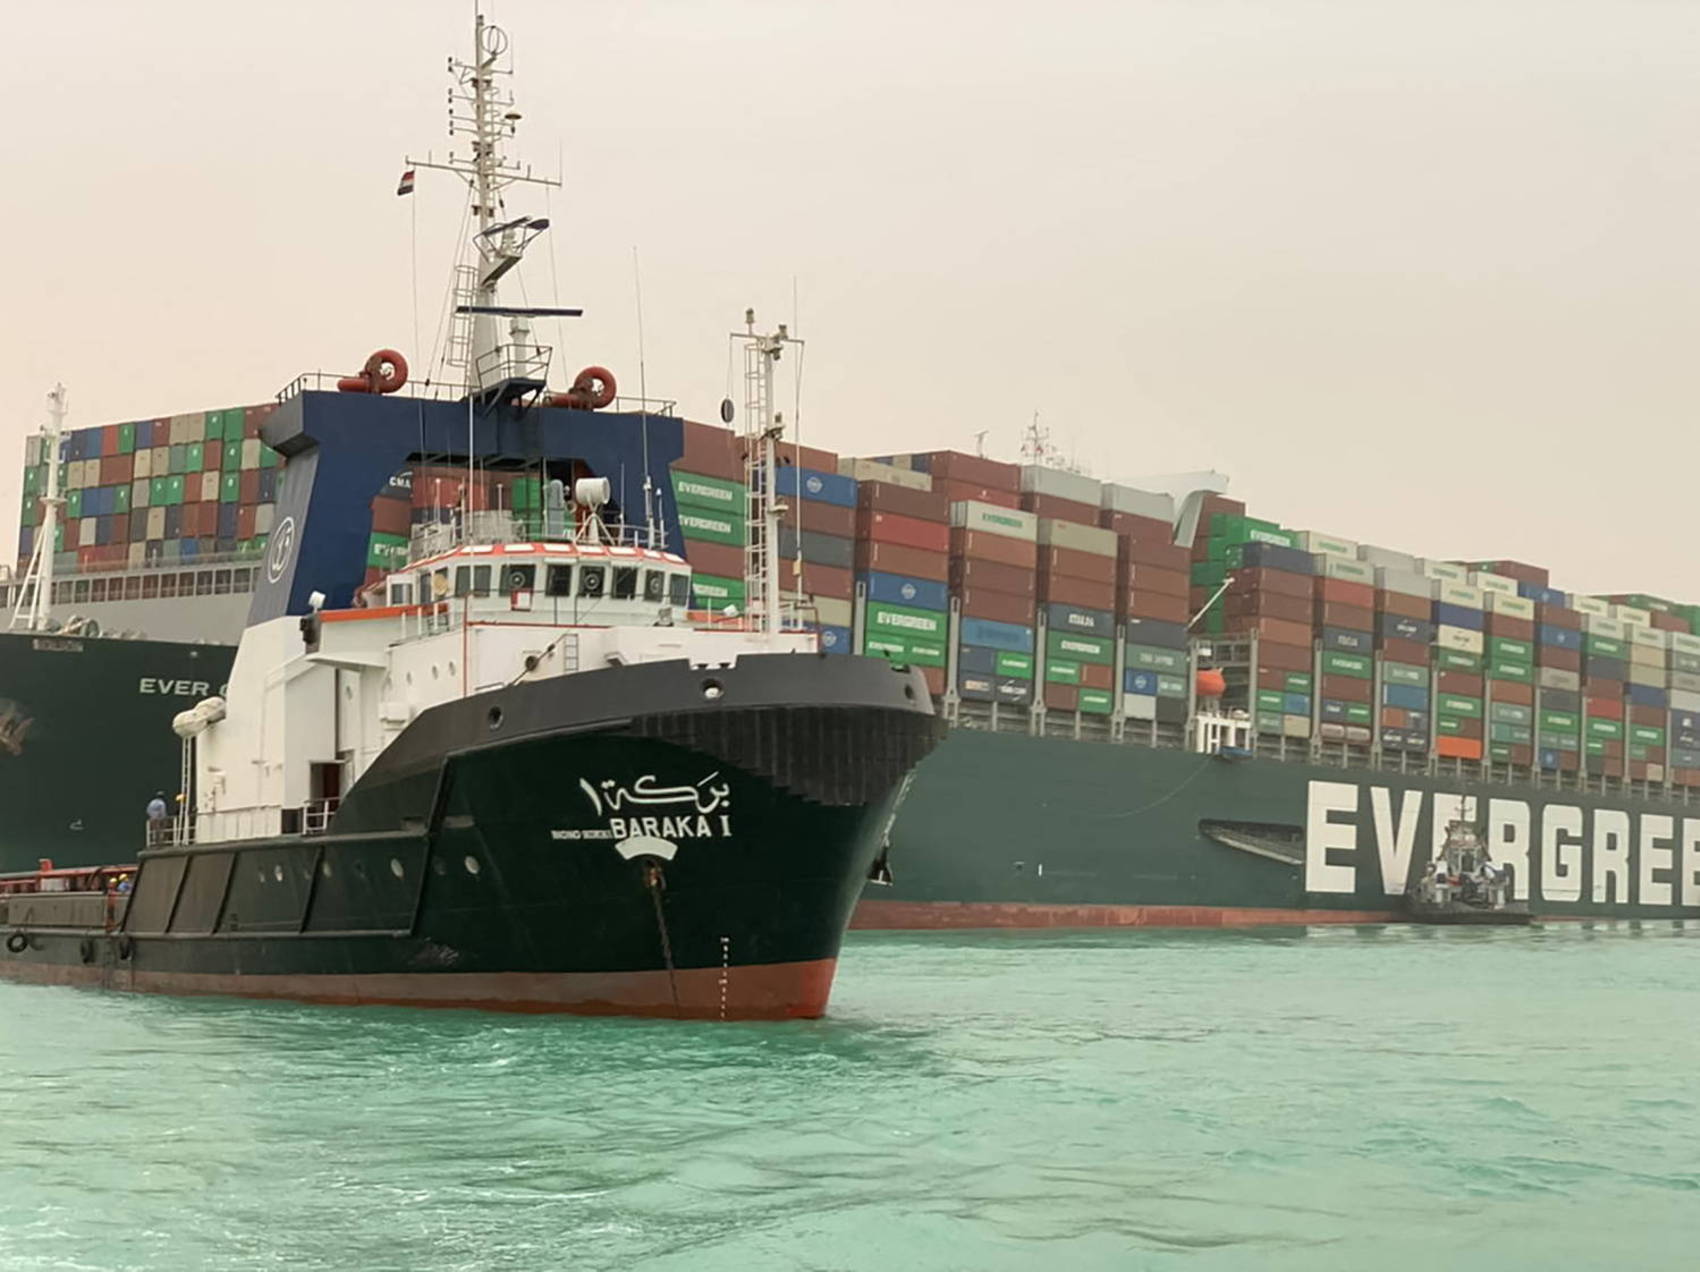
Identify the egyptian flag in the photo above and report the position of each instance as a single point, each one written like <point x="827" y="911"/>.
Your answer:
<point x="406" y="184"/>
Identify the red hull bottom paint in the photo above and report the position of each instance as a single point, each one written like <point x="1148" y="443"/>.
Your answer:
<point x="772" y="991"/>
<point x="928" y="915"/>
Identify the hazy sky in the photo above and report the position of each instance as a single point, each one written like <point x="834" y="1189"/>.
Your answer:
<point x="1420" y="273"/>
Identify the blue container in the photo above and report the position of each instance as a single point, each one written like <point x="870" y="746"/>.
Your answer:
<point x="1296" y="703"/>
<point x="1398" y="627"/>
<point x="1647" y="695"/>
<point x="1350" y="642"/>
<point x="1559" y="637"/>
<point x="1542" y="595"/>
<point x="1406" y="697"/>
<point x="227" y="513"/>
<point x="983" y="631"/>
<point x="1333" y="709"/>
<point x="1011" y="690"/>
<point x="1561" y="699"/>
<point x="1685" y="721"/>
<point x="1603" y="668"/>
<point x="897" y="589"/>
<point x="1547" y="759"/>
<point x="835" y="640"/>
<point x="174" y="522"/>
<point x="189" y="549"/>
<point x="1151" y="631"/>
<point x="977" y="659"/>
<point x="268" y="485"/>
<point x="1419" y="722"/>
<point x="976" y="686"/>
<point x="26" y="540"/>
<point x="810" y="483"/>
<point x="1458" y="616"/>
<point x="1139" y="681"/>
<point x="1088" y="622"/>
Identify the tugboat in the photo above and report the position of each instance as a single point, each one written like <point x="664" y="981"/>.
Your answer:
<point x="518" y="772"/>
<point x="1463" y="885"/>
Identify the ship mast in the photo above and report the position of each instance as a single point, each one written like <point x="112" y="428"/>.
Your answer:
<point x="35" y="598"/>
<point x="763" y="427"/>
<point x="484" y="114"/>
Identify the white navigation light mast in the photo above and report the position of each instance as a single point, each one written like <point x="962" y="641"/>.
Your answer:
<point x="35" y="598"/>
<point x="486" y="117"/>
<point x="763" y="427"/>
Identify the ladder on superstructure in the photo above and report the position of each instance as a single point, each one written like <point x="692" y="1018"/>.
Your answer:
<point x="35" y="596"/>
<point x="763" y="427"/>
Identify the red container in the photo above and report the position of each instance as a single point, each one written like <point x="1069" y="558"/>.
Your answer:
<point x="1167" y="609"/>
<point x="1074" y="564"/>
<point x="718" y="559"/>
<point x="934" y="676"/>
<point x="827" y="580"/>
<point x="922" y="505"/>
<point x="245" y="521"/>
<point x="1147" y="578"/>
<point x="252" y="418"/>
<point x="1638" y="769"/>
<point x="120" y="531"/>
<point x="251" y="486"/>
<point x="1059" y="589"/>
<point x="1011" y="579"/>
<point x="1522" y="754"/>
<point x="1348" y="689"/>
<point x="791" y="454"/>
<point x="389" y="516"/>
<point x="1559" y="616"/>
<point x="1558" y="659"/>
<point x="974" y="469"/>
<point x="1000" y="607"/>
<point x="1280" y="632"/>
<point x="192" y="488"/>
<point x="1402" y="606"/>
<point x="977" y="545"/>
<point x="1273" y="657"/>
<point x="894" y="558"/>
<point x="1467" y="729"/>
<point x="820" y="518"/>
<point x="1602" y="687"/>
<point x="1059" y="509"/>
<point x="1463" y="683"/>
<point x="1097" y="676"/>
<point x="1157" y="553"/>
<point x="212" y="457"/>
<point x="1345" y="592"/>
<point x="1685" y="776"/>
<point x="1612" y="749"/>
<point x="1062" y="697"/>
<point x="117" y="469"/>
<point x="1646" y="715"/>
<point x="1263" y="580"/>
<point x="1603" y="708"/>
<point x="965" y="492"/>
<point x="908" y="532"/>
<point x="108" y="440"/>
<point x="710" y="452"/>
<point x="1664" y="622"/>
<point x="1510" y="691"/>
<point x="1395" y="718"/>
<point x="1413" y="652"/>
<point x="1353" y="618"/>
<point x="1142" y="529"/>
<point x="1510" y="628"/>
<point x="1532" y="574"/>
<point x="1266" y="605"/>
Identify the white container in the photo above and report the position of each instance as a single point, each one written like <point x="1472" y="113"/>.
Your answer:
<point x="144" y="464"/>
<point x="1683" y="643"/>
<point x="1510" y="606"/>
<point x="138" y="553"/>
<point x="869" y="470"/>
<point x="985" y="518"/>
<point x="1445" y="570"/>
<point x="1345" y="568"/>
<point x="1139" y="706"/>
<point x="833" y="611"/>
<point x="1651" y="637"/>
<point x="266" y="514"/>
<point x="1055" y="482"/>
<point x="139" y="493"/>
<point x="1494" y="583"/>
<point x="1632" y="614"/>
<point x="1315" y="542"/>
<point x="1138" y="503"/>
<point x="1461" y="594"/>
<point x="1687" y="681"/>
<point x="1404" y="582"/>
<point x="156" y="523"/>
<point x="1557" y="678"/>
<point x="1463" y="639"/>
<point x="1647" y="656"/>
<point x="1684" y="700"/>
<point x="209" y="487"/>
<point x="1079" y="538"/>
<point x="1610" y="628"/>
<point x="1652" y="677"/>
<point x="1293" y="726"/>
<point x="86" y="531"/>
<point x="1388" y="559"/>
<point x="1590" y="605"/>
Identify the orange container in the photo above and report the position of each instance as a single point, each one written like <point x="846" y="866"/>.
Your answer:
<point x="1453" y="748"/>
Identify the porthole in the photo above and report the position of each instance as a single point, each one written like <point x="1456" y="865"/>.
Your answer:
<point x="494" y="716"/>
<point x="909" y="692"/>
<point x="472" y="866"/>
<point x="713" y="690"/>
<point x="277" y="873"/>
<point x="435" y="671"/>
<point x="395" y="867"/>
<point x="451" y="666"/>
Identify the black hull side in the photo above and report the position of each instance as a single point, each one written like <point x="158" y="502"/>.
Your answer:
<point x="644" y="865"/>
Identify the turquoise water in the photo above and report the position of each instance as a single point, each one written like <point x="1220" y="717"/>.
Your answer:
<point x="1385" y="1098"/>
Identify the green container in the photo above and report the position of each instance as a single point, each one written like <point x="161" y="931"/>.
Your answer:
<point x="1598" y="728"/>
<point x="1016" y="666"/>
<point x="1171" y="686"/>
<point x="1455" y="704"/>
<point x="156" y="492"/>
<point x="126" y="439"/>
<point x="32" y="481"/>
<point x="1270" y="701"/>
<point x="926" y="653"/>
<point x="268" y="457"/>
<point x="1510" y="713"/>
<point x="1155" y="658"/>
<point x="1519" y="733"/>
<point x="709" y="591"/>
<point x="1061" y="671"/>
<point x="1297" y="682"/>
<point x="691" y="490"/>
<point x="232" y="455"/>
<point x="903" y="622"/>
<point x="1096" y="701"/>
<point x="1640" y="751"/>
<point x="121" y="499"/>
<point x="1358" y="666"/>
<point x="1359" y="713"/>
<point x="1232" y="529"/>
<point x="1504" y="649"/>
<point x="1560" y="721"/>
<point x="1604" y="647"/>
<point x="708" y="526"/>
<point x="1404" y="674"/>
<point x="229" y="488"/>
<point x="1208" y="573"/>
<point x="174" y="489"/>
<point x="192" y="457"/>
<point x="1449" y="724"/>
<point x="1269" y="724"/>
<point x="1559" y="741"/>
<point x="386" y="552"/>
<point x="1458" y="660"/>
<point x="176" y="458"/>
<point x="1595" y="746"/>
<point x="74" y="504"/>
<point x="1070" y="645"/>
<point x="1515" y="673"/>
<point x="886" y="647"/>
<point x="1646" y="735"/>
<point x="213" y="431"/>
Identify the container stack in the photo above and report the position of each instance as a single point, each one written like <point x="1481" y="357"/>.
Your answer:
<point x="1509" y="669"/>
<point x="817" y="544"/>
<point x="711" y="508"/>
<point x="994" y="574"/>
<point x="1343" y="602"/>
<point x="1558" y="681"/>
<point x="1271" y="597"/>
<point x="1076" y="584"/>
<point x="1683" y="738"/>
<point x="1460" y="642"/>
<point x="1404" y="634"/>
<point x="1152" y="600"/>
<point x="1646" y="694"/>
<point x="902" y="560"/>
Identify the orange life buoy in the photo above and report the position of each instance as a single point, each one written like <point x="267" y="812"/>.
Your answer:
<point x="385" y="372"/>
<point x="1211" y="683"/>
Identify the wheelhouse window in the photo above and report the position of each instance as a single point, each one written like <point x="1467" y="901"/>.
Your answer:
<point x="133" y="588"/>
<point x="401" y="593"/>
<point x="592" y="580"/>
<point x="654" y="585"/>
<point x="97" y="590"/>
<point x="560" y="580"/>
<point x="81" y="593"/>
<point x="625" y="582"/>
<point x="164" y="586"/>
<point x="204" y="583"/>
<point x="221" y="582"/>
<point x="679" y="590"/>
<point x="481" y="580"/>
<point x="463" y="580"/>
